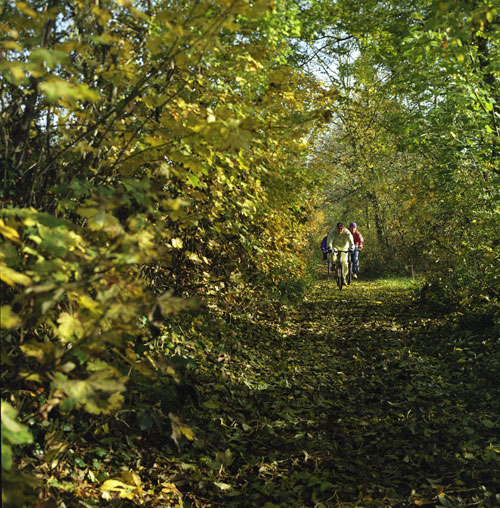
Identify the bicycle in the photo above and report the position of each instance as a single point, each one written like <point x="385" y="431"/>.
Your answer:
<point x="339" y="269"/>
<point x="329" y="263"/>
<point x="350" y="265"/>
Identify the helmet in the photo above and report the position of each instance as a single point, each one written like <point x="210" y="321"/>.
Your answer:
<point x="340" y="225"/>
<point x="353" y="225"/>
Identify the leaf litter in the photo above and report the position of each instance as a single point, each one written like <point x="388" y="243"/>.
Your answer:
<point x="359" y="398"/>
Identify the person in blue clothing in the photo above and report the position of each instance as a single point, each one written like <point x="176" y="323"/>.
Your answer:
<point x="324" y="248"/>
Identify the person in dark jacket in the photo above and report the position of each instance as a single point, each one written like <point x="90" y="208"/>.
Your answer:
<point x="324" y="248"/>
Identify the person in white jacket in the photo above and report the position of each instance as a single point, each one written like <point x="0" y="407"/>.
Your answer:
<point x="340" y="238"/>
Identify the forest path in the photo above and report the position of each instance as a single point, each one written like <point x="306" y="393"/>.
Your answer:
<point x="350" y="398"/>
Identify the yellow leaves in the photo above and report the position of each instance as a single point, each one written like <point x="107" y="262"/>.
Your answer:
<point x="101" y="392"/>
<point x="23" y="7"/>
<point x="102" y="15"/>
<point x="179" y="429"/>
<point x="69" y="326"/>
<point x="85" y="148"/>
<point x="281" y="77"/>
<point x="187" y="432"/>
<point x="176" y="207"/>
<point x="289" y="97"/>
<point x="181" y="103"/>
<point x="170" y="488"/>
<point x="8" y="232"/>
<point x="43" y="352"/>
<point x="8" y="318"/>
<point x="176" y="243"/>
<point x="195" y="165"/>
<point x="12" y="45"/>
<point x="119" y="313"/>
<point x="252" y="65"/>
<point x="11" y="277"/>
<point x="154" y="140"/>
<point x="192" y="256"/>
<point x="17" y="71"/>
<point x="145" y="240"/>
<point x="490" y="15"/>
<point x="495" y="448"/>
<point x="210" y="116"/>
<point x="101" y="220"/>
<point x="56" y="89"/>
<point x="128" y="486"/>
<point x="302" y="144"/>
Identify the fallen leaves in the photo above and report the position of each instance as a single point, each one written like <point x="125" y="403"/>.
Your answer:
<point x="341" y="399"/>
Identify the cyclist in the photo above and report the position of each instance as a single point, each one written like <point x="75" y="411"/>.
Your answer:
<point x="340" y="238"/>
<point x="324" y="249"/>
<point x="359" y="242"/>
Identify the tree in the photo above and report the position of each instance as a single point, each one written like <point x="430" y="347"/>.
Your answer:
<point x="153" y="160"/>
<point x="434" y="64"/>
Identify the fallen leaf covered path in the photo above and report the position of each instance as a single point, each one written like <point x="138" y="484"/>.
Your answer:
<point x="349" y="398"/>
<point x="342" y="399"/>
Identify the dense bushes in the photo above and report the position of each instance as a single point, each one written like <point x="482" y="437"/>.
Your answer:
<point x="152" y="159"/>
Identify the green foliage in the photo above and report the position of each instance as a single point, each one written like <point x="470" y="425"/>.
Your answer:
<point x="16" y="488"/>
<point x="161" y="186"/>
<point x="153" y="159"/>
<point x="413" y="151"/>
<point x="13" y="433"/>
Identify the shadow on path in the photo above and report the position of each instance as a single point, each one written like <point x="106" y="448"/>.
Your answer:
<point x="356" y="398"/>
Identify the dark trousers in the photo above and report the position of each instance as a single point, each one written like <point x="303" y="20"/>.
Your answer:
<point x="355" y="261"/>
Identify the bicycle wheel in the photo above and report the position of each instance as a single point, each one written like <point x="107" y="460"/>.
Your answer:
<point x="349" y="269"/>
<point x="340" y="275"/>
